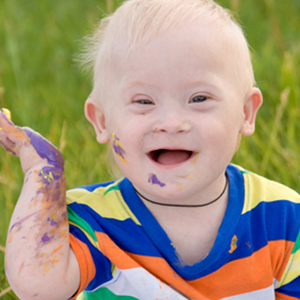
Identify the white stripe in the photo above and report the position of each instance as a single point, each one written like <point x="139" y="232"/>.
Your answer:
<point x="140" y="284"/>
<point x="264" y="294"/>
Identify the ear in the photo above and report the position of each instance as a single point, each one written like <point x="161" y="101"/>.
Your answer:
<point x="252" y="103"/>
<point x="96" y="117"/>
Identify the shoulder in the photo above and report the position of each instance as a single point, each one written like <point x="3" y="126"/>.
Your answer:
<point x="84" y="194"/>
<point x="268" y="189"/>
<point x="258" y="189"/>
<point x="78" y="193"/>
<point x="102" y="199"/>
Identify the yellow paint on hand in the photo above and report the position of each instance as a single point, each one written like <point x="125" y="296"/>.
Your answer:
<point x="233" y="244"/>
<point x="7" y="113"/>
<point x="48" y="177"/>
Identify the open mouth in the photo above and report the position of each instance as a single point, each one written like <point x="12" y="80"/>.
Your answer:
<point x="170" y="157"/>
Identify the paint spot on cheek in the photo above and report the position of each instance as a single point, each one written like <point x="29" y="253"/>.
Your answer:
<point x="156" y="130"/>
<point x="154" y="180"/>
<point x="180" y="186"/>
<point x="194" y="159"/>
<point x="118" y="148"/>
<point x="187" y="177"/>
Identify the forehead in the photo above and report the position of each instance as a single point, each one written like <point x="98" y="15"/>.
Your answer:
<point x="192" y="47"/>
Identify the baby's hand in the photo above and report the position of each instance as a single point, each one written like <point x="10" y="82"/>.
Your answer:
<point x="27" y="144"/>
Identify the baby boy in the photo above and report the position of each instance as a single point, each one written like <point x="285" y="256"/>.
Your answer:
<point x="174" y="91"/>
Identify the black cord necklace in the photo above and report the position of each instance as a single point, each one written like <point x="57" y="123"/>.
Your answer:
<point x="183" y="205"/>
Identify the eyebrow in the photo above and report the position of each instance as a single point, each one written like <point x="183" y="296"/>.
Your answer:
<point x="138" y="83"/>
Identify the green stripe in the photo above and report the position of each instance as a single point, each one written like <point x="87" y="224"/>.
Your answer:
<point x="297" y="244"/>
<point x="103" y="293"/>
<point x="74" y="218"/>
<point x="114" y="187"/>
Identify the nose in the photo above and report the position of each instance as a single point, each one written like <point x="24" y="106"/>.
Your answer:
<point x="172" y="122"/>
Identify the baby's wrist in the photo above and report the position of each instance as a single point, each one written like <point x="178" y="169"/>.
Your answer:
<point x="45" y="149"/>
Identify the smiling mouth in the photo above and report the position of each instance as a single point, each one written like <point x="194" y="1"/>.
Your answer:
<point x="170" y="157"/>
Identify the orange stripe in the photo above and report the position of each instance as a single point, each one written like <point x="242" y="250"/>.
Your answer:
<point x="86" y="263"/>
<point x="114" y="253"/>
<point x="280" y="253"/>
<point x="280" y="296"/>
<point x="241" y="276"/>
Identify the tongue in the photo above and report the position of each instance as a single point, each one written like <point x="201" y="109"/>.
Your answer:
<point x="168" y="157"/>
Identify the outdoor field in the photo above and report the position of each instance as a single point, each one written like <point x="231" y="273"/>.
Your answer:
<point x="44" y="87"/>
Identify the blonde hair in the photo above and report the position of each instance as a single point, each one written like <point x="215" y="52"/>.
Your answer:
<point x="138" y="21"/>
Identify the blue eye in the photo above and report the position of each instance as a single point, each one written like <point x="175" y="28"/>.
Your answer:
<point x="198" y="99"/>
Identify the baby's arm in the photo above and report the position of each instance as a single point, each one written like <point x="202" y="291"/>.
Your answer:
<point x="38" y="260"/>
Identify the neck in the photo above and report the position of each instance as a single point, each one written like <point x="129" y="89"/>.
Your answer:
<point x="210" y="202"/>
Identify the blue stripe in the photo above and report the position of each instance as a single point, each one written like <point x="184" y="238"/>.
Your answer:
<point x="126" y="234"/>
<point x="290" y="288"/>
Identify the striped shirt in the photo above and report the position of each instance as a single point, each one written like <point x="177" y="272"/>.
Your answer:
<point x="124" y="253"/>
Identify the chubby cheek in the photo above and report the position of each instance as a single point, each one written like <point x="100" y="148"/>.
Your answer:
<point x="129" y="165"/>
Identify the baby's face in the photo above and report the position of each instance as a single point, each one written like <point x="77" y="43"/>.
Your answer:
<point x="176" y="113"/>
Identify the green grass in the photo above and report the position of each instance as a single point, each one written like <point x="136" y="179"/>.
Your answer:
<point x="44" y="89"/>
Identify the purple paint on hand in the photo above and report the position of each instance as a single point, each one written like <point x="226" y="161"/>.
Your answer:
<point x="48" y="174"/>
<point x="45" y="149"/>
<point x="53" y="223"/>
<point x="7" y="149"/>
<point x="154" y="180"/>
<point x="19" y="222"/>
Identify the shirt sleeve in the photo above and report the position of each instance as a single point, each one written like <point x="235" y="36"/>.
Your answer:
<point x="288" y="288"/>
<point x="85" y="245"/>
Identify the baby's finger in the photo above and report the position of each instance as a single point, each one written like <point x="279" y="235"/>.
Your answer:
<point x="7" y="113"/>
<point x="11" y="136"/>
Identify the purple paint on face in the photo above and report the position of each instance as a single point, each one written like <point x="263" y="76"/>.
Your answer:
<point x="45" y="238"/>
<point x="45" y="149"/>
<point x="118" y="150"/>
<point x="117" y="146"/>
<point x="154" y="180"/>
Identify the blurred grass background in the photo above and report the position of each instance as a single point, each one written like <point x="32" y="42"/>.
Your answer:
<point x="45" y="89"/>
